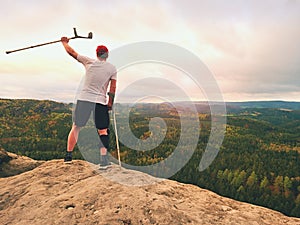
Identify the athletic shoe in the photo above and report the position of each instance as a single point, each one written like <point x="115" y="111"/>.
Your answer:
<point x="102" y="167"/>
<point x="104" y="162"/>
<point x="68" y="157"/>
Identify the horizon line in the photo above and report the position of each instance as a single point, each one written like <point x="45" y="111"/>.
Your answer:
<point x="195" y="101"/>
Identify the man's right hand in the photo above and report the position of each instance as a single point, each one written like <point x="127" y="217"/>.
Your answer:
<point x="64" y="40"/>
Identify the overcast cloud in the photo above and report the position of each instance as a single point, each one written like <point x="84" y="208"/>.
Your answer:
<point x="252" y="47"/>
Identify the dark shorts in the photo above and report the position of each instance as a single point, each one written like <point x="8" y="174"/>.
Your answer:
<point x="83" y="112"/>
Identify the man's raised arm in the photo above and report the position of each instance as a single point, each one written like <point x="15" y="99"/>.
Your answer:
<point x="69" y="50"/>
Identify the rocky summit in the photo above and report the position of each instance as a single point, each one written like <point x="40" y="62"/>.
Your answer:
<point x="79" y="193"/>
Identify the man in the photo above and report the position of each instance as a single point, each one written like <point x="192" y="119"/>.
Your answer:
<point x="93" y="98"/>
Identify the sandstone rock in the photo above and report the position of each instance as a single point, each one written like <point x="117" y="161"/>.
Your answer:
<point x="12" y="164"/>
<point x="78" y="193"/>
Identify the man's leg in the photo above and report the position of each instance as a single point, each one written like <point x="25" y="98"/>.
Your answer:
<point x="102" y="123"/>
<point x="72" y="140"/>
<point x="73" y="137"/>
<point x="80" y="117"/>
<point x="104" y="145"/>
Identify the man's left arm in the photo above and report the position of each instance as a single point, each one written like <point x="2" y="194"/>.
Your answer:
<point x="111" y="93"/>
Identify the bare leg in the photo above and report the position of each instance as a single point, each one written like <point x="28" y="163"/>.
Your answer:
<point x="103" y="151"/>
<point x="72" y="138"/>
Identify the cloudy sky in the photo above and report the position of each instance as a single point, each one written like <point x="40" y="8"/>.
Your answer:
<point x="252" y="47"/>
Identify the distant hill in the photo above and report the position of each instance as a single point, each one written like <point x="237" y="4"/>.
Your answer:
<point x="204" y="106"/>
<point x="56" y="193"/>
<point x="265" y="104"/>
<point x="35" y="128"/>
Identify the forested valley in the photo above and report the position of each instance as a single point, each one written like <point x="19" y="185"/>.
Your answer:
<point x="258" y="162"/>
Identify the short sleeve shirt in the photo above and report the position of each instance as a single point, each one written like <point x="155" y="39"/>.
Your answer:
<point x="96" y="80"/>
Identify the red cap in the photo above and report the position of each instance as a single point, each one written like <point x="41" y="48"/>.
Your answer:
<point x="102" y="49"/>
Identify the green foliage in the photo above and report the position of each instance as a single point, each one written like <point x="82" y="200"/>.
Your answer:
<point x="37" y="129"/>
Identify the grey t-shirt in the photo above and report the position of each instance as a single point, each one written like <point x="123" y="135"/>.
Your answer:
<point x="96" y="80"/>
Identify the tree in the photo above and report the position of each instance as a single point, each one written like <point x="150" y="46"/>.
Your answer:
<point x="264" y="184"/>
<point x="278" y="185"/>
<point x="239" y="178"/>
<point x="252" y="180"/>
<point x="296" y="210"/>
<point x="287" y="184"/>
